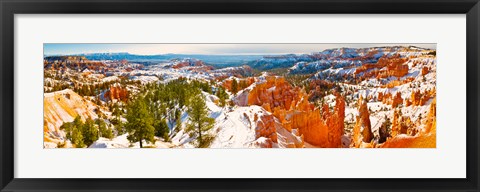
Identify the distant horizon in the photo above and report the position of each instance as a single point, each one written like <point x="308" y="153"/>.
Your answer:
<point x="66" y="49"/>
<point x="161" y="54"/>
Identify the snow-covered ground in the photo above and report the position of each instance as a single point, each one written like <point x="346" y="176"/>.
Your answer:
<point x="236" y="129"/>
<point x="122" y="142"/>
<point x="144" y="79"/>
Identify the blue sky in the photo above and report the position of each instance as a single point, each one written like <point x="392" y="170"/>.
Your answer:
<point x="214" y="49"/>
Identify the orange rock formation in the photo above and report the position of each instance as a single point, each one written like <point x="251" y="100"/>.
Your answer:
<point x="365" y="124"/>
<point x="419" y="98"/>
<point x="242" y="83"/>
<point x="397" y="100"/>
<point x="266" y="127"/>
<point x="425" y="70"/>
<point x="322" y="128"/>
<point x="424" y="139"/>
<point x="394" y="67"/>
<point x="387" y="98"/>
<point x="117" y="93"/>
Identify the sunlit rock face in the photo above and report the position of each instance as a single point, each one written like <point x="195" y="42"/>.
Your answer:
<point x="266" y="127"/>
<point x="365" y="124"/>
<point x="394" y="100"/>
<point x="242" y="83"/>
<point x="419" y="98"/>
<point x="396" y="70"/>
<point x="431" y="122"/>
<point x="397" y="100"/>
<point x="396" y="123"/>
<point x="357" y="135"/>
<point x="116" y="93"/>
<point x="425" y="70"/>
<point x="269" y="131"/>
<point x="423" y="139"/>
<point x="386" y="66"/>
<point x="63" y="106"/>
<point x="322" y="128"/>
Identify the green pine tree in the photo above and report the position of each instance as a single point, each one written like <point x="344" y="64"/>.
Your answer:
<point x="77" y="138"/>
<point x="103" y="130"/>
<point x="139" y="122"/>
<point x="178" y="125"/>
<point x="89" y="132"/>
<point x="161" y="129"/>
<point x="200" y="121"/>
<point x="222" y="96"/>
<point x="119" y="126"/>
<point x="73" y="132"/>
<point x="234" y="86"/>
<point x="243" y="85"/>
<point x="117" y="111"/>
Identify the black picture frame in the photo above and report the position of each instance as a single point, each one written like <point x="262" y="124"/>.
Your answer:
<point x="11" y="7"/>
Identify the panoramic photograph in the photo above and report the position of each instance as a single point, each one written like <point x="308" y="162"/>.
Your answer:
<point x="239" y="95"/>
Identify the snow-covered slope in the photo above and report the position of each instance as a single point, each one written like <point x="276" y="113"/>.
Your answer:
<point x="122" y="142"/>
<point x="64" y="106"/>
<point x="351" y="57"/>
